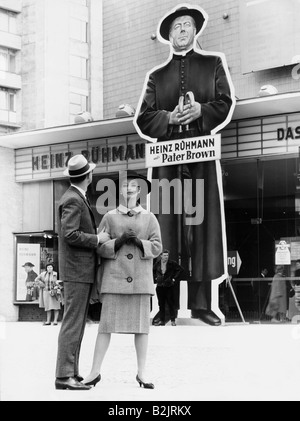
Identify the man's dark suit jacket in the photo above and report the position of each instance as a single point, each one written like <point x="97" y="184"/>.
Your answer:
<point x="77" y="236"/>
<point x="173" y="271"/>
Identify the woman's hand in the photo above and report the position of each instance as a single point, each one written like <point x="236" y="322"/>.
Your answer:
<point x="137" y="242"/>
<point x="128" y="236"/>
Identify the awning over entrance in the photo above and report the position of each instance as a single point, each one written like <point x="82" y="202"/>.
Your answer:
<point x="267" y="106"/>
<point x="246" y="108"/>
<point x="67" y="134"/>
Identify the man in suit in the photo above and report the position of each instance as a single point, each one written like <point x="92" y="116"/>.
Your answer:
<point x="165" y="273"/>
<point x="78" y="241"/>
<point x="202" y="79"/>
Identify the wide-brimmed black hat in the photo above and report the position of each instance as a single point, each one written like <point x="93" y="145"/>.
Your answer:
<point x="196" y="14"/>
<point x="130" y="174"/>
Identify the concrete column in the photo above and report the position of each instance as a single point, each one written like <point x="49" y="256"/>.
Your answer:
<point x="11" y="221"/>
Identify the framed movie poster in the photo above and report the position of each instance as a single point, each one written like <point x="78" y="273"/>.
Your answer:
<point x="28" y="268"/>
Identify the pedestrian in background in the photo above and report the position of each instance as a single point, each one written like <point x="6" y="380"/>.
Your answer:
<point x="127" y="279"/>
<point x="50" y="293"/>
<point x="277" y="306"/>
<point x="77" y="244"/>
<point x="165" y="273"/>
<point x="294" y="293"/>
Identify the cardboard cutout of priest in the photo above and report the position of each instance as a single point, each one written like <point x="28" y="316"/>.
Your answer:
<point x="188" y="96"/>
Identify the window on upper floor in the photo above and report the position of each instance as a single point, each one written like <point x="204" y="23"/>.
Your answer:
<point x="7" y="100"/>
<point x="78" y="104"/>
<point x="8" y="105"/>
<point x="78" y="29"/>
<point x="7" y="60"/>
<point x="8" y="21"/>
<point x="78" y="67"/>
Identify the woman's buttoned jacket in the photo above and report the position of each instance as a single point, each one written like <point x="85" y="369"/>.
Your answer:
<point x="47" y="279"/>
<point x="129" y="270"/>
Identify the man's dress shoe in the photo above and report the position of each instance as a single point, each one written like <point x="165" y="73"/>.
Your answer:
<point x="70" y="383"/>
<point x="78" y="377"/>
<point x="206" y="316"/>
<point x="157" y="322"/>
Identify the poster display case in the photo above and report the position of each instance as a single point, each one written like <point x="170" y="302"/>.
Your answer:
<point x="32" y="252"/>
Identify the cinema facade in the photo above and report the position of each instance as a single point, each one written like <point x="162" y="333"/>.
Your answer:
<point x="261" y="180"/>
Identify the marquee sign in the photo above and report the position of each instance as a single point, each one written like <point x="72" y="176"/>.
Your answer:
<point x="49" y="162"/>
<point x="255" y="137"/>
<point x="288" y="133"/>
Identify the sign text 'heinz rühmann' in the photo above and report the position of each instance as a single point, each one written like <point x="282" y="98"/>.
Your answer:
<point x="182" y="151"/>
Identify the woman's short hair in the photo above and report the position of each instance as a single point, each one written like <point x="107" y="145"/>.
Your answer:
<point x="49" y="264"/>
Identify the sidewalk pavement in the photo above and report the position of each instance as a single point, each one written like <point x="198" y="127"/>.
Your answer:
<point x="233" y="362"/>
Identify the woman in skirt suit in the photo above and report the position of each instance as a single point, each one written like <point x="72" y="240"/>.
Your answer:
<point x="127" y="277"/>
<point x="48" y="284"/>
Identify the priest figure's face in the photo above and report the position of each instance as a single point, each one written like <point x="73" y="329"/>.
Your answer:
<point x="182" y="33"/>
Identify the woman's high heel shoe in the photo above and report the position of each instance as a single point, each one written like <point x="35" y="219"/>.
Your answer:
<point x="94" y="382"/>
<point x="145" y="385"/>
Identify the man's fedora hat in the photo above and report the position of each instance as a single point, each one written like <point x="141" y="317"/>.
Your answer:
<point x="28" y="264"/>
<point x="78" y="166"/>
<point x="130" y="174"/>
<point x="196" y="14"/>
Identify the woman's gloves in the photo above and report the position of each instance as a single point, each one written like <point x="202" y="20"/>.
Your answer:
<point x="128" y="237"/>
<point x="122" y="240"/>
<point x="137" y="242"/>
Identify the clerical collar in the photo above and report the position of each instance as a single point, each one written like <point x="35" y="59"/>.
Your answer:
<point x="123" y="209"/>
<point x="183" y="53"/>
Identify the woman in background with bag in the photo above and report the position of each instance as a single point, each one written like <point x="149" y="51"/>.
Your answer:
<point x="277" y="306"/>
<point x="50" y="294"/>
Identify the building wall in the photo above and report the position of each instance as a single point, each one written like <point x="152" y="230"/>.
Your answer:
<point x="96" y="59"/>
<point x="47" y="47"/>
<point x="11" y="221"/>
<point x="129" y="51"/>
<point x="32" y="65"/>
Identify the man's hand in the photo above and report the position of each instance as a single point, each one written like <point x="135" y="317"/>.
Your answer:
<point x="190" y="113"/>
<point x="173" y="117"/>
<point x="103" y="236"/>
<point x="186" y="116"/>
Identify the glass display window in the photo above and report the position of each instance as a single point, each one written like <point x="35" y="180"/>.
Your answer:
<point x="32" y="253"/>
